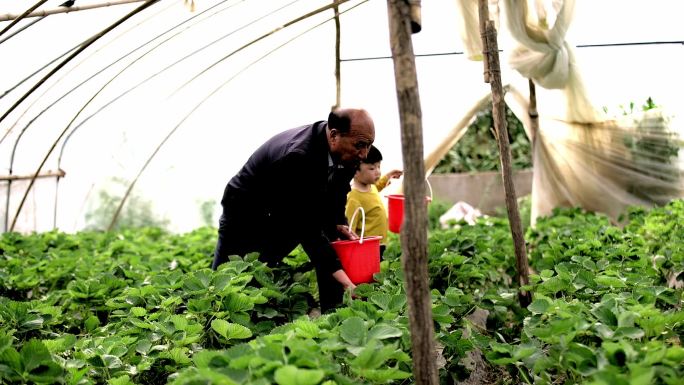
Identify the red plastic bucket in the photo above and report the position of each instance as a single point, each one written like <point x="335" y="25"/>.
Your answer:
<point x="360" y="258"/>
<point x="395" y="209"/>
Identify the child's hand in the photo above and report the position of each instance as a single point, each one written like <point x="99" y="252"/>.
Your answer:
<point x="394" y="174"/>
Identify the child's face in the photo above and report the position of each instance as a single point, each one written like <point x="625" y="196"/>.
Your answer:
<point x="368" y="173"/>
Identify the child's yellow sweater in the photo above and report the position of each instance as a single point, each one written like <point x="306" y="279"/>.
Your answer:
<point x="373" y="206"/>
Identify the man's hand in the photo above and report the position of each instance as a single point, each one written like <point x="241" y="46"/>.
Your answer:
<point x="344" y="280"/>
<point x="348" y="234"/>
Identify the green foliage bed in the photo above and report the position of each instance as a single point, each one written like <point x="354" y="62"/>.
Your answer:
<point x="143" y="307"/>
<point x="477" y="150"/>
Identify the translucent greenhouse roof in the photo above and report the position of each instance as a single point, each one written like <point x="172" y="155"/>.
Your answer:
<point x="181" y="98"/>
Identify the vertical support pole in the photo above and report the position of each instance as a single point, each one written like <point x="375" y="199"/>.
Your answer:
<point x="338" y="82"/>
<point x="533" y="113"/>
<point x="493" y="77"/>
<point x="414" y="231"/>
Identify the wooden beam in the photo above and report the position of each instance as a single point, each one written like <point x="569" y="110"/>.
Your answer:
<point x="49" y="173"/>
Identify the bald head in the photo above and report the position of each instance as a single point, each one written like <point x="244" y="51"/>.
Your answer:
<point x="351" y="131"/>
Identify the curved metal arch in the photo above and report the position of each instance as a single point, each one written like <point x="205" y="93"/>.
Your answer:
<point x="75" y="129"/>
<point x="90" y="41"/>
<point x="175" y="128"/>
<point x="11" y="165"/>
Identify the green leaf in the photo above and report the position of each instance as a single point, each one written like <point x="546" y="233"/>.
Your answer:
<point x="546" y="274"/>
<point x="629" y="332"/>
<point x="32" y="322"/>
<point x="46" y="373"/>
<point x="306" y="329"/>
<point x="122" y="380"/>
<point x="605" y="314"/>
<point x="237" y="302"/>
<point x="609" y="281"/>
<point x="5" y="341"/>
<point x="372" y="356"/>
<point x="199" y="305"/>
<point x="675" y="354"/>
<point x="143" y="346"/>
<point x="292" y="375"/>
<point x="353" y="331"/>
<point x="179" y="321"/>
<point x="141" y="324"/>
<point x="640" y="375"/>
<point x="384" y="331"/>
<point x="12" y="359"/>
<point x="382" y="300"/>
<point x="385" y="375"/>
<point x="523" y="351"/>
<point x="66" y="342"/>
<point x="111" y="362"/>
<point x="138" y="311"/>
<point x="553" y="285"/>
<point x="540" y="305"/>
<point x="91" y="323"/>
<point x="230" y="330"/>
<point x="179" y="355"/>
<point x="397" y="303"/>
<point x="33" y="354"/>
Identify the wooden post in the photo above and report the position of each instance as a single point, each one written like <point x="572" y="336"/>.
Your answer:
<point x="493" y="68"/>
<point x="414" y="231"/>
<point x="338" y="94"/>
<point x="533" y="114"/>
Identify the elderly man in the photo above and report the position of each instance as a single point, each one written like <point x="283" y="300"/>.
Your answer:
<point x="293" y="191"/>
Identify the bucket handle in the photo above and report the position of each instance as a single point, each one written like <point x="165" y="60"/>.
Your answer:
<point x="363" y="221"/>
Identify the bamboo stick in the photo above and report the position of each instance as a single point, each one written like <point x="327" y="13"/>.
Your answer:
<point x="50" y="173"/>
<point x="491" y="57"/>
<point x="414" y="232"/>
<point x="22" y="16"/>
<point x="533" y="113"/>
<point x="75" y="8"/>
<point x="338" y="91"/>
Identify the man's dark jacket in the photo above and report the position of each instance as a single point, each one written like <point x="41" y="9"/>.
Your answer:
<point x="284" y="196"/>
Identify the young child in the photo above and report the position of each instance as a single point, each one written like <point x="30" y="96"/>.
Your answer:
<point x="365" y="192"/>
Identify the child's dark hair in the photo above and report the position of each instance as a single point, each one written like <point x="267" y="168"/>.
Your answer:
<point x="374" y="156"/>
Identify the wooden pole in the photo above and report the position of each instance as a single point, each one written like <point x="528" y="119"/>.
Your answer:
<point x="58" y="173"/>
<point x="493" y="68"/>
<point x="46" y="12"/>
<point x="414" y="231"/>
<point x="338" y="80"/>
<point x="415" y="15"/>
<point x="533" y="113"/>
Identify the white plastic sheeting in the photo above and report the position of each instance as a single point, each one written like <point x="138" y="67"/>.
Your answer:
<point x="583" y="156"/>
<point x="225" y="112"/>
